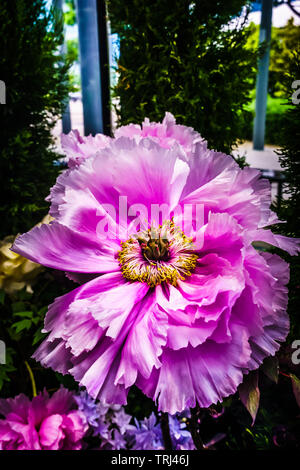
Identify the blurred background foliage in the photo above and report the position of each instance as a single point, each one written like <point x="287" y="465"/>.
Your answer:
<point x="37" y="84"/>
<point x="183" y="57"/>
<point x="175" y="56"/>
<point x="289" y="156"/>
<point x="284" y="42"/>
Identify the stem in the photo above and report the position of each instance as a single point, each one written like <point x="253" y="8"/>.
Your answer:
<point x="164" y="424"/>
<point x="34" y="393"/>
<point x="194" y="429"/>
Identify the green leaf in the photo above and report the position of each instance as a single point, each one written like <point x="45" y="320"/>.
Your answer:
<point x="37" y="337"/>
<point x="22" y="325"/>
<point x="270" y="368"/>
<point x="250" y="394"/>
<point x="296" y="387"/>
<point x="25" y="314"/>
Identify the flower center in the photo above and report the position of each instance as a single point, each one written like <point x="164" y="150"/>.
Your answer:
<point x="154" y="247"/>
<point x="156" y="255"/>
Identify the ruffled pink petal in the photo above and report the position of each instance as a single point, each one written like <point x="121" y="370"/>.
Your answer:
<point x="131" y="130"/>
<point x="9" y="439"/>
<point x="75" y="330"/>
<point x="110" y="307"/>
<point x="81" y="211"/>
<point x="97" y="368"/>
<point x="82" y="330"/>
<point x="83" y="346"/>
<point x="207" y="373"/>
<point x="54" y="354"/>
<point x="166" y="134"/>
<point x="200" y="307"/>
<point x="183" y="331"/>
<point x="51" y="432"/>
<point x="97" y="182"/>
<point x="42" y="423"/>
<point x="75" y="426"/>
<point x="291" y="245"/>
<point x="36" y="411"/>
<point x="248" y="312"/>
<point x="19" y="405"/>
<point x="78" y="148"/>
<point x="154" y="176"/>
<point x="21" y="418"/>
<point x="272" y="301"/>
<point x="58" y="247"/>
<point x="209" y="280"/>
<point x="55" y="317"/>
<point x="27" y="433"/>
<point x="193" y="324"/>
<point x="221" y="235"/>
<point x="240" y="193"/>
<point x="220" y="264"/>
<point x="142" y="356"/>
<point x="60" y="402"/>
<point x="205" y="166"/>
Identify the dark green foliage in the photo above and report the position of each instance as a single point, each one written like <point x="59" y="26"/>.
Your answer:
<point x="181" y="57"/>
<point x="289" y="156"/>
<point x="22" y="318"/>
<point x="36" y="85"/>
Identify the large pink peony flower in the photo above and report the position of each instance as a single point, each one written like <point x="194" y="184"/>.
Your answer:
<point x="42" y="424"/>
<point x="182" y="306"/>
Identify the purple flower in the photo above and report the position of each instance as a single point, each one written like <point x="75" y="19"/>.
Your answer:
<point x="92" y="410"/>
<point x="103" y="431"/>
<point x="118" y="441"/>
<point x="181" y="305"/>
<point x="122" y="420"/>
<point x="148" y="435"/>
<point x="42" y="424"/>
<point x="181" y="437"/>
<point x="106" y="420"/>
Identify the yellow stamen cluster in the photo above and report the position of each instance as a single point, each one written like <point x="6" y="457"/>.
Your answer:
<point x="177" y="265"/>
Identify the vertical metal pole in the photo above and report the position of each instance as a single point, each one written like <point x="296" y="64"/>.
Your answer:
<point x="66" y="115"/>
<point x="93" y="84"/>
<point x="262" y="76"/>
<point x="104" y="65"/>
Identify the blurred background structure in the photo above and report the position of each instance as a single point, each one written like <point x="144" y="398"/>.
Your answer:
<point x="285" y="21"/>
<point x="95" y="105"/>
